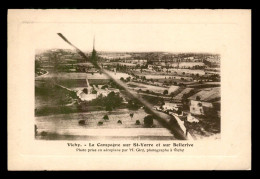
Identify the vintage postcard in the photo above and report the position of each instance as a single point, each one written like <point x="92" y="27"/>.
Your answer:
<point x="129" y="89"/>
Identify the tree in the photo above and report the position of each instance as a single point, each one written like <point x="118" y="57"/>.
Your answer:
<point x="128" y="79"/>
<point x="82" y="122"/>
<point x="165" y="92"/>
<point x="148" y="120"/>
<point x="137" y="122"/>
<point x="100" y="123"/>
<point x="112" y="100"/>
<point x="179" y="111"/>
<point x="197" y="98"/>
<point x="106" y="117"/>
<point x="131" y="115"/>
<point x="133" y="104"/>
<point x="85" y="90"/>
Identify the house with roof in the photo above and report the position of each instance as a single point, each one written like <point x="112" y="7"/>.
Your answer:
<point x="206" y="102"/>
<point x="171" y="106"/>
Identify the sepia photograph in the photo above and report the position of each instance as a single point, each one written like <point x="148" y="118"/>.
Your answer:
<point x="95" y="94"/>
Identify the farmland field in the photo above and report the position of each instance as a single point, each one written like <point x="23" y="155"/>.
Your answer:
<point x="156" y="89"/>
<point x="75" y="75"/>
<point x="67" y="125"/>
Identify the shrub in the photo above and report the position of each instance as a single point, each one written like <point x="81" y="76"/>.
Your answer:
<point x="85" y="90"/>
<point x="119" y="122"/>
<point x="137" y="122"/>
<point x="165" y="92"/>
<point x="100" y="123"/>
<point x="106" y="117"/>
<point x="82" y="122"/>
<point x="198" y="98"/>
<point x="131" y="115"/>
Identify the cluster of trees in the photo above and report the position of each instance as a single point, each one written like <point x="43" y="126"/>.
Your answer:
<point x="210" y="64"/>
<point x="154" y="100"/>
<point x="133" y="104"/>
<point x="141" y="66"/>
<point x="148" y="120"/>
<point x="110" y="102"/>
<point x="143" y="78"/>
<point x="104" y="87"/>
<point x="172" y="82"/>
<point x="115" y="85"/>
<point x="125" y="80"/>
<point x="65" y="68"/>
<point x="56" y="98"/>
<point x="148" y="92"/>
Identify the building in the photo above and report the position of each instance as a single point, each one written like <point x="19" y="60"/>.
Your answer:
<point x="94" y="92"/>
<point x="205" y="102"/>
<point x="104" y="92"/>
<point x="171" y="106"/>
<point x="86" y="97"/>
<point x="199" y="107"/>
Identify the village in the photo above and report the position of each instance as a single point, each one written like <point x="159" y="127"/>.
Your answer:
<point x="183" y="85"/>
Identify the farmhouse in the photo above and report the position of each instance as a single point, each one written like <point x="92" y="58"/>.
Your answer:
<point x="171" y="106"/>
<point x="204" y="102"/>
